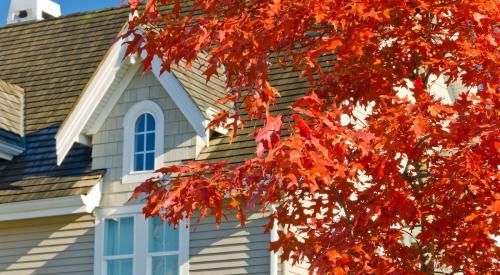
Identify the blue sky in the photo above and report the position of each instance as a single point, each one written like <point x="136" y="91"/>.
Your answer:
<point x="67" y="6"/>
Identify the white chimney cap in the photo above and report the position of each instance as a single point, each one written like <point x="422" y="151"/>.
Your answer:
<point x="32" y="10"/>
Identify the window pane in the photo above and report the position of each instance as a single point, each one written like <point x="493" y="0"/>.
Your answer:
<point x="126" y="235"/>
<point x="111" y="237"/>
<point x="165" y="265"/>
<point x="139" y="162"/>
<point x="162" y="236"/>
<point x="120" y="267"/>
<point x="139" y="143"/>
<point x="150" y="142"/>
<point x="150" y="122"/>
<point x="140" y="123"/>
<point x="150" y="161"/>
<point x="119" y="236"/>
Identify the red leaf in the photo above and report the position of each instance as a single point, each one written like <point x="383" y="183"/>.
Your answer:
<point x="304" y="130"/>
<point x="268" y="135"/>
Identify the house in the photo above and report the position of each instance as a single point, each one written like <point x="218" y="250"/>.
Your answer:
<point x="80" y="129"/>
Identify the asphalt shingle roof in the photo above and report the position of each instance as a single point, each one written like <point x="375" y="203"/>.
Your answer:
<point x="52" y="60"/>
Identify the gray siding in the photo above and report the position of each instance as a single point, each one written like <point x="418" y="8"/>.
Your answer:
<point x="229" y="249"/>
<point x="107" y="144"/>
<point x="53" y="245"/>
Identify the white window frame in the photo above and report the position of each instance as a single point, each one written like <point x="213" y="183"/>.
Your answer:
<point x="142" y="258"/>
<point x="118" y="257"/>
<point x="138" y="109"/>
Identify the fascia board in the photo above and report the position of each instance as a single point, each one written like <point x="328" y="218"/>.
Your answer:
<point x="91" y="96"/>
<point x="181" y="98"/>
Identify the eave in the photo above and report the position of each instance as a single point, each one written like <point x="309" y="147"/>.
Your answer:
<point x="9" y="151"/>
<point x="76" y="204"/>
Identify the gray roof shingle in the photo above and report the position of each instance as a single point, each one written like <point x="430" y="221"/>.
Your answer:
<point x="52" y="60"/>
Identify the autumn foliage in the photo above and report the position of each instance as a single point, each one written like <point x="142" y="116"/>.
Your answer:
<point x="411" y="186"/>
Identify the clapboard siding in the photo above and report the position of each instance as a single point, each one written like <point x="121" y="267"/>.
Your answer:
<point x="53" y="245"/>
<point x="229" y="249"/>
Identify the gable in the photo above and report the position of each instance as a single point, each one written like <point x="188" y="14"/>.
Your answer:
<point x="109" y="149"/>
<point x="110" y="81"/>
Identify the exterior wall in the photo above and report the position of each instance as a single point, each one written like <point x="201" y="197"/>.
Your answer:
<point x="229" y="249"/>
<point x="107" y="144"/>
<point x="52" y="245"/>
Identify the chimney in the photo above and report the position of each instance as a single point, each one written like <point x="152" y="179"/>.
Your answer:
<point x="32" y="10"/>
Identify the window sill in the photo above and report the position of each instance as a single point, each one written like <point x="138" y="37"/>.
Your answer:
<point x="138" y="177"/>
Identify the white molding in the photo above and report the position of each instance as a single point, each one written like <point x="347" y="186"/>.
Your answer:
<point x="181" y="98"/>
<point x="138" y="177"/>
<point x="141" y="256"/>
<point x="92" y="94"/>
<point x="118" y="211"/>
<point x="184" y="247"/>
<point x="9" y="151"/>
<point x="51" y="207"/>
<point x="138" y="109"/>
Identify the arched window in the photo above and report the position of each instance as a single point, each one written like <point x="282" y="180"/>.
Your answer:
<point x="143" y="141"/>
<point x="144" y="148"/>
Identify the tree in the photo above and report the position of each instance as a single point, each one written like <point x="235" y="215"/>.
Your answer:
<point x="347" y="189"/>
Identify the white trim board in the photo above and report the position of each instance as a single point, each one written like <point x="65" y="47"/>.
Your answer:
<point x="52" y="207"/>
<point x="181" y="98"/>
<point x="92" y="94"/>
<point x="107" y="80"/>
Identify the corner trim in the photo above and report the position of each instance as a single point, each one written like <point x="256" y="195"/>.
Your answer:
<point x="273" y="263"/>
<point x="52" y="207"/>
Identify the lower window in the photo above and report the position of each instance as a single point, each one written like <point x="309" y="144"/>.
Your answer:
<point x="119" y="245"/>
<point x="163" y="248"/>
<point x="132" y="245"/>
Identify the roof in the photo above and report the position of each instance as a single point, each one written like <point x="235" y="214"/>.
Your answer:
<point x="52" y="60"/>
<point x="11" y="108"/>
<point x="204" y="93"/>
<point x="48" y="187"/>
<point x="243" y="146"/>
<point x="290" y="85"/>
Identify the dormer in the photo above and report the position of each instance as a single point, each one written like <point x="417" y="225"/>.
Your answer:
<point x="11" y="120"/>
<point x="32" y="10"/>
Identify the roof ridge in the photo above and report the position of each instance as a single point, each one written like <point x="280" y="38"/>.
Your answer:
<point x="74" y="14"/>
